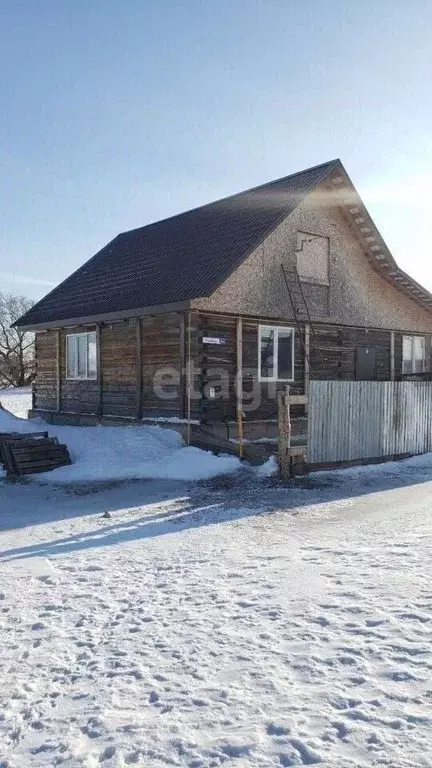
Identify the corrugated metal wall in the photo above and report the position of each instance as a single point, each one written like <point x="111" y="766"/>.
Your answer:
<point x="351" y="420"/>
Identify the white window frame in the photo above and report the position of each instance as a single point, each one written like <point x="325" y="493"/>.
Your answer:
<point x="413" y="357"/>
<point x="276" y="328"/>
<point x="87" y="377"/>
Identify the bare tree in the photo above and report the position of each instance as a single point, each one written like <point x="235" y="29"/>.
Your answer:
<point x="16" y="346"/>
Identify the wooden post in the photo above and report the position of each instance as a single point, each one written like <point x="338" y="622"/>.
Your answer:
<point x="138" y="370"/>
<point x="34" y="382"/>
<point x="182" y="366"/>
<point x="284" y="428"/>
<point x="240" y="432"/>
<point x="239" y="383"/>
<point x="99" y="408"/>
<point x="188" y="379"/>
<point x="307" y="363"/>
<point x="392" y="355"/>
<point x="58" y="344"/>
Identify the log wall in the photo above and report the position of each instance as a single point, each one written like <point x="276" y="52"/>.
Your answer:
<point x="332" y="356"/>
<point x="216" y="365"/>
<point x="162" y="354"/>
<point x="76" y="396"/>
<point x="45" y="385"/>
<point x="264" y="394"/>
<point x="131" y="364"/>
<point x="215" y="382"/>
<point x="144" y="367"/>
<point x="333" y="352"/>
<point x="118" y="356"/>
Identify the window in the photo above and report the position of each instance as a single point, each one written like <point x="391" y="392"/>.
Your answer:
<point x="414" y="354"/>
<point x="276" y="353"/>
<point x="81" y="356"/>
<point x="313" y="252"/>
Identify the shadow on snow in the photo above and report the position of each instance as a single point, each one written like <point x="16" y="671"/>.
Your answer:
<point x="190" y="506"/>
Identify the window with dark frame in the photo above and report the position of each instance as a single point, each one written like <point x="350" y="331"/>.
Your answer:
<point x="81" y="358"/>
<point x="275" y="353"/>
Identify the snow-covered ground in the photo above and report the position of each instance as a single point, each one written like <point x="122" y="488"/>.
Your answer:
<point x="231" y="623"/>
<point x="17" y="400"/>
<point x="110" y="454"/>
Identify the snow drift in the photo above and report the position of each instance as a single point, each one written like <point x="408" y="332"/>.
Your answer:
<point x="107" y="454"/>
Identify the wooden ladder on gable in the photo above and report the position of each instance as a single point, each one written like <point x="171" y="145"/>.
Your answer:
<point x="301" y="312"/>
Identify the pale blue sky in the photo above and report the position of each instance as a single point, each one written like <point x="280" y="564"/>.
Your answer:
<point x="116" y="114"/>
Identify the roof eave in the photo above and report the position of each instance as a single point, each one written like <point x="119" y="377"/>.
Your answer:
<point x="377" y="252"/>
<point x="158" y="309"/>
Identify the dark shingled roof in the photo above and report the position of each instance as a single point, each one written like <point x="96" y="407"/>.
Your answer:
<point x="181" y="258"/>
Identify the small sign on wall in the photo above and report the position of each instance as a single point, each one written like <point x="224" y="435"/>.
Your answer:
<point x="219" y="340"/>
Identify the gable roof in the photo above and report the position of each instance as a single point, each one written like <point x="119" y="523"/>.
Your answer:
<point x="177" y="259"/>
<point x="187" y="256"/>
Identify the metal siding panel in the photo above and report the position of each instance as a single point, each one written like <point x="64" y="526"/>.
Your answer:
<point x="364" y="420"/>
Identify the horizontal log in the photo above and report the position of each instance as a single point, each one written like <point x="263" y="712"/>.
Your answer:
<point x="36" y="470"/>
<point x="37" y="462"/>
<point x="298" y="399"/>
<point x="20" y="446"/>
<point x="38" y="442"/>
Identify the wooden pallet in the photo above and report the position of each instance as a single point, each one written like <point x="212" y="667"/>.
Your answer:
<point x="7" y="437"/>
<point x="27" y="457"/>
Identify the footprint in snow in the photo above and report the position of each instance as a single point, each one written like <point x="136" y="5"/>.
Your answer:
<point x="46" y="580"/>
<point x="276" y="730"/>
<point x="401" y="676"/>
<point x="321" y="620"/>
<point x="414" y="617"/>
<point x="301" y="755"/>
<point x="93" y="728"/>
<point x="107" y="754"/>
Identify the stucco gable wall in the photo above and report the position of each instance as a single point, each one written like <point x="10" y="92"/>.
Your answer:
<point x="357" y="295"/>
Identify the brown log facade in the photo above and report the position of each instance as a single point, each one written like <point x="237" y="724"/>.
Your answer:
<point x="143" y="366"/>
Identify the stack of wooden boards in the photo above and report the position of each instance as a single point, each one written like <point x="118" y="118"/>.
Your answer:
<point x="26" y="454"/>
